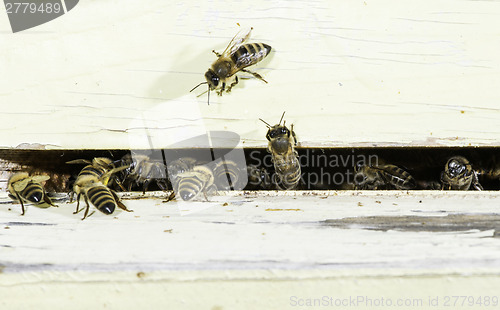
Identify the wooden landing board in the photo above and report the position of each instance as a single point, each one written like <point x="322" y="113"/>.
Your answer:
<point x="113" y="75"/>
<point x="241" y="249"/>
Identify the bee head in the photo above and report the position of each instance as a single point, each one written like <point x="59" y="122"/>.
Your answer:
<point x="456" y="166"/>
<point x="277" y="131"/>
<point x="212" y="79"/>
<point x="279" y="138"/>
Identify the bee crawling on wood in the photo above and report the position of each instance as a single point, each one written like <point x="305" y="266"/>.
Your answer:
<point x="97" y="168"/>
<point x="282" y="142"/>
<point x="382" y="177"/>
<point x="459" y="175"/>
<point x="142" y="170"/>
<point x="190" y="184"/>
<point x="26" y="188"/>
<point x="179" y="166"/>
<point x="236" y="57"/>
<point x="96" y="190"/>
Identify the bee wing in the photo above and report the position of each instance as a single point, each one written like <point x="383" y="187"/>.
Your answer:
<point x="79" y="161"/>
<point x="39" y="178"/>
<point x="236" y="42"/>
<point x="105" y="178"/>
<point x="21" y="184"/>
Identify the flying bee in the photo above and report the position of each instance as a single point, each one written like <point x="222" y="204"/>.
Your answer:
<point x="25" y="188"/>
<point x="382" y="177"/>
<point x="282" y="142"/>
<point x="96" y="190"/>
<point x="459" y="175"/>
<point x="236" y="57"/>
<point x="142" y="170"/>
<point x="228" y="176"/>
<point x="192" y="183"/>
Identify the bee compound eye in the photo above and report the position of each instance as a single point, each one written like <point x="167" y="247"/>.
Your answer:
<point x="215" y="80"/>
<point x="212" y="78"/>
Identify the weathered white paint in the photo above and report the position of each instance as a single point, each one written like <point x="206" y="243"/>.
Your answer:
<point x="364" y="73"/>
<point x="247" y="247"/>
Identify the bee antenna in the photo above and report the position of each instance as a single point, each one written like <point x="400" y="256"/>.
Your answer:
<point x="282" y="118"/>
<point x="267" y="124"/>
<point x="198" y="85"/>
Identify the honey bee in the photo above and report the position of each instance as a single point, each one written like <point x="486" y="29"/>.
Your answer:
<point x="382" y="177"/>
<point x="459" y="175"/>
<point x="142" y="170"/>
<point x="228" y="176"/>
<point x="96" y="168"/>
<point x="236" y="57"/>
<point x="179" y="166"/>
<point x="25" y="188"/>
<point x="192" y="183"/>
<point x="96" y="190"/>
<point x="258" y="178"/>
<point x="282" y="142"/>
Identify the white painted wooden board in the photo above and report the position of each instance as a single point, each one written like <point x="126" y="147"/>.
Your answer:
<point x="243" y="251"/>
<point x="110" y="74"/>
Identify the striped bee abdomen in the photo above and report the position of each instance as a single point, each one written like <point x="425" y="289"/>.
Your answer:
<point x="398" y="177"/>
<point x="102" y="199"/>
<point x="33" y="192"/>
<point x="228" y="176"/>
<point x="288" y="171"/>
<point x="249" y="54"/>
<point x="92" y="170"/>
<point x="192" y="183"/>
<point x="190" y="187"/>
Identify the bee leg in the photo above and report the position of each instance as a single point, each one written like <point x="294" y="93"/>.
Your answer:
<point x="162" y="184"/>
<point x="87" y="209"/>
<point x="71" y="195"/>
<point x="119" y="203"/>
<point x="77" y="204"/>
<point x="48" y="201"/>
<point x="255" y="74"/>
<point x="293" y="135"/>
<point x="222" y="89"/>
<point x="120" y="185"/>
<point x="170" y="197"/>
<point x="217" y="54"/>
<point x="21" y="202"/>
<point x="232" y="84"/>
<point x="145" y="186"/>
<point x="475" y="182"/>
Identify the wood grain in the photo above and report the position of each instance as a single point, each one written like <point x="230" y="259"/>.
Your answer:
<point x="369" y="73"/>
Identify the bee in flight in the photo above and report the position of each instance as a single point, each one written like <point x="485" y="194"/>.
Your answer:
<point x="282" y="142"/>
<point x="236" y="57"/>
<point x="383" y="177"/>
<point x="459" y="175"/>
<point x="25" y="188"/>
